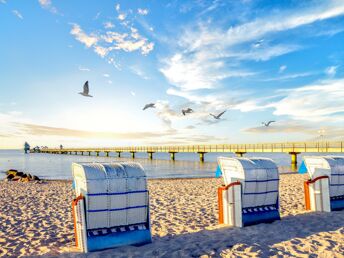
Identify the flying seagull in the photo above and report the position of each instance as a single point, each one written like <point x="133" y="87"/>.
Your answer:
<point x="86" y="90"/>
<point x="187" y="111"/>
<point x="268" y="123"/>
<point x="218" y="116"/>
<point x="150" y="105"/>
<point x="258" y="43"/>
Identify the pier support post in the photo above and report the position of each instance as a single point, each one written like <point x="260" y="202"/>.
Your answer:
<point x="294" y="160"/>
<point x="97" y="153"/>
<point x="82" y="153"/>
<point x="133" y="154"/>
<point x="70" y="153"/>
<point x="239" y="154"/>
<point x="119" y="153"/>
<point x="89" y="153"/>
<point x="107" y="153"/>
<point x="201" y="156"/>
<point x="76" y="153"/>
<point x="173" y="155"/>
<point x="150" y="155"/>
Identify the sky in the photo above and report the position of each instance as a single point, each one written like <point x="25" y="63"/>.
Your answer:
<point x="256" y="60"/>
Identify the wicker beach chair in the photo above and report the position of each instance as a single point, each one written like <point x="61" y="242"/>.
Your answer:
<point x="111" y="208"/>
<point x="324" y="191"/>
<point x="250" y="194"/>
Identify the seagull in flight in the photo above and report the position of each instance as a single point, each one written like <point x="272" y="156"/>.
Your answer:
<point x="187" y="111"/>
<point x="268" y="123"/>
<point x="258" y="43"/>
<point x="150" y="105"/>
<point x="86" y="90"/>
<point x="218" y="116"/>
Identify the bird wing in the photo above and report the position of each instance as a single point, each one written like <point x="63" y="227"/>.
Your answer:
<point x="150" y="105"/>
<point x="86" y="88"/>
<point x="212" y="115"/>
<point x="183" y="112"/>
<point x="221" y="114"/>
<point x="271" y="122"/>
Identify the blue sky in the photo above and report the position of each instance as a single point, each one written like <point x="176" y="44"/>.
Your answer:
<point x="258" y="60"/>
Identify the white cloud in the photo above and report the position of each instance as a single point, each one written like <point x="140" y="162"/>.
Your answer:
<point x="109" y="41"/>
<point x="331" y="70"/>
<point x="117" y="7"/>
<point x="84" y="69"/>
<point x="121" y="17"/>
<point x="282" y="68"/>
<point x="80" y="35"/>
<point x="136" y="70"/>
<point x="209" y="54"/>
<point x="3" y="1"/>
<point x="133" y="93"/>
<point x="317" y="102"/>
<point x="317" y="131"/>
<point x="18" y="14"/>
<point x="106" y="75"/>
<point x="142" y="11"/>
<point x="197" y="71"/>
<point x="263" y="53"/>
<point x="97" y="16"/>
<point x="108" y="25"/>
<point x="47" y="4"/>
<point x="289" y="76"/>
<point x="102" y="51"/>
<point x="109" y="82"/>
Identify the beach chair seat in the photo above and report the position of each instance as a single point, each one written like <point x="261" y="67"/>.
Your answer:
<point x="250" y="193"/>
<point x="112" y="205"/>
<point x="324" y="191"/>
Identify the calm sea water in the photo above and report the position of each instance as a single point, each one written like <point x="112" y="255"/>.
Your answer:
<point x="187" y="165"/>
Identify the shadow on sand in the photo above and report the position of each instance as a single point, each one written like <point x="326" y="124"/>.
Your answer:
<point x="259" y="238"/>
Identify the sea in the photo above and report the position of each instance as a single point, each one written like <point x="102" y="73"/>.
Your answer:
<point x="186" y="165"/>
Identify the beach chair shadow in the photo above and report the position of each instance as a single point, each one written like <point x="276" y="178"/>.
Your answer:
<point x="261" y="237"/>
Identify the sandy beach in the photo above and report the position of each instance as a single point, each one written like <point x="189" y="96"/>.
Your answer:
<point x="36" y="220"/>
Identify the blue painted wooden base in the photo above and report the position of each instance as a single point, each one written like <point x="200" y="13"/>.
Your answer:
<point x="337" y="203"/>
<point x="139" y="237"/>
<point x="253" y="218"/>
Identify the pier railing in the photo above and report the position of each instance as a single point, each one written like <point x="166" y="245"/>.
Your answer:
<point x="329" y="147"/>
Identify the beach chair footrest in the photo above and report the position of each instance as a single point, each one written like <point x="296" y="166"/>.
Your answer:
<point x="257" y="215"/>
<point x="139" y="237"/>
<point x="337" y="203"/>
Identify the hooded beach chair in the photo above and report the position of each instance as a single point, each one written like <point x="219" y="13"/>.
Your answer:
<point x="111" y="208"/>
<point x="250" y="193"/>
<point x="324" y="191"/>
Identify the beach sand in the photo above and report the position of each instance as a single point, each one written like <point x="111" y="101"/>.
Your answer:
<point x="36" y="219"/>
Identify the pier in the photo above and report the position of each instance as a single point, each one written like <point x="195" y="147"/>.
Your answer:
<point x="293" y="149"/>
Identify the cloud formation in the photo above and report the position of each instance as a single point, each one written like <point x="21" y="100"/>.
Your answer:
<point x="331" y="70"/>
<point x="210" y="54"/>
<point x="142" y="11"/>
<point x="316" y="132"/>
<point x="18" y="14"/>
<point x="34" y="129"/>
<point x="84" y="69"/>
<point x="104" y="43"/>
<point x="321" y="101"/>
<point x="47" y="4"/>
<point x="80" y="35"/>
